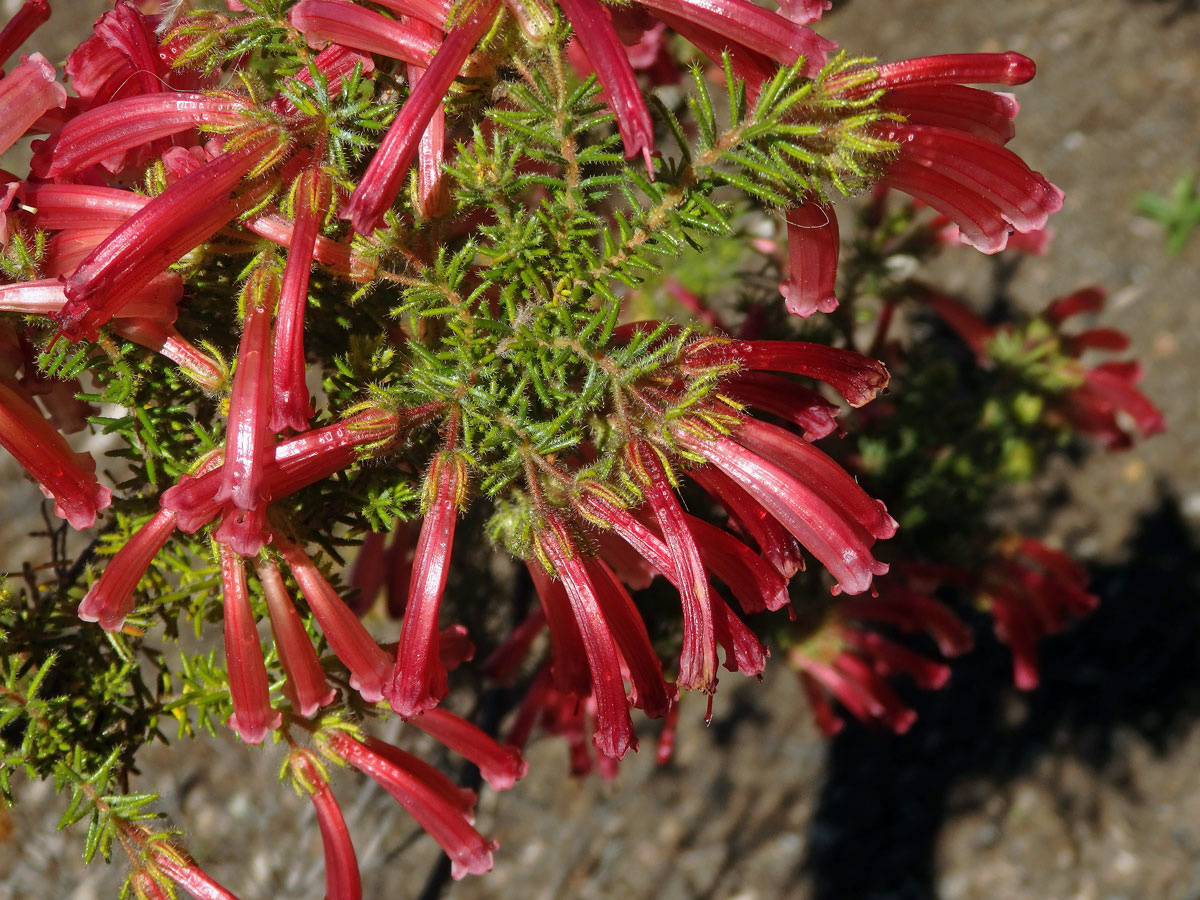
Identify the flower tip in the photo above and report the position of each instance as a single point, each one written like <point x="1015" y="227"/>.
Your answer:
<point x="479" y="862"/>
<point x="95" y="608"/>
<point x="1018" y="68"/>
<point x="254" y="732"/>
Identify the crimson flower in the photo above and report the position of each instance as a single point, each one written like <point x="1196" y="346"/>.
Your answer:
<point x="67" y="477"/>
<point x="1032" y="591"/>
<point x="26" y="93"/>
<point x="248" y="688"/>
<point x="418" y="681"/>
<point x="850" y="661"/>
<point x="388" y="169"/>
<point x="441" y="808"/>
<point x="342" y="878"/>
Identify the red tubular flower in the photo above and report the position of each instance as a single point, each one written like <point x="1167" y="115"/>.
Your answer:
<point x="950" y="148"/>
<point x="500" y="766"/>
<point x="842" y="492"/>
<point x="785" y="399"/>
<point x="821" y="521"/>
<point x="31" y="16"/>
<point x="26" y="93"/>
<point x="594" y="31"/>
<point x="777" y="545"/>
<point x="298" y="462"/>
<point x="743" y="651"/>
<point x="650" y="693"/>
<point x="167" y="341"/>
<point x="340" y="258"/>
<point x="1108" y="389"/>
<point x="983" y="187"/>
<point x="569" y="664"/>
<point x="698" y="660"/>
<point x="813" y="247"/>
<point x="351" y="643"/>
<point x="379" y="185"/>
<point x="112" y="598"/>
<point x="183" y="870"/>
<point x="69" y="478"/>
<point x="104" y="132"/>
<point x="432" y="12"/>
<point x="342" y="878"/>
<point x="312" y="194"/>
<point x="180" y="218"/>
<point x="247" y="445"/>
<point x="252" y="714"/>
<point x="305" y="685"/>
<point x="753" y="581"/>
<point x="418" y="681"/>
<point x="614" y="729"/>
<point x="951" y="68"/>
<point x="1032" y="591"/>
<point x="854" y="376"/>
<point x="749" y="26"/>
<point x="157" y="301"/>
<point x="433" y="195"/>
<point x="984" y="114"/>
<point x="359" y="28"/>
<point x="441" y="808"/>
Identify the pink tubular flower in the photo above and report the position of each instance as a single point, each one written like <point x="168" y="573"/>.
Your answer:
<point x="291" y="406"/>
<point x="813" y="247"/>
<point x="112" y="597"/>
<point x="26" y="93"/>
<point x="32" y="15"/>
<point x="500" y="766"/>
<point x="359" y="28"/>
<point x="614" y="729"/>
<point x="252" y="714"/>
<point x="305" y="686"/>
<point x="418" y="681"/>
<point x="594" y="31"/>
<point x="342" y="878"/>
<point x="854" y="376"/>
<point x="104" y="132"/>
<point x="65" y="476"/>
<point x="379" y="185"/>
<point x="247" y="439"/>
<point x="438" y="806"/>
<point x="698" y="661"/>
<point x="351" y="643"/>
<point x="184" y="215"/>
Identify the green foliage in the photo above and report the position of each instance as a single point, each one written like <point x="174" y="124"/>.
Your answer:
<point x="1178" y="212"/>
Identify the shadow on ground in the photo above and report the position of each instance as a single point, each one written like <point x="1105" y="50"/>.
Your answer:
<point x="1134" y="664"/>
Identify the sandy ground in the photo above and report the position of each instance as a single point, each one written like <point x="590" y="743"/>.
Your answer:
<point x="1085" y="789"/>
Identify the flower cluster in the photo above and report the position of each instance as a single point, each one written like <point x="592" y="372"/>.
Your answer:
<point x="360" y="269"/>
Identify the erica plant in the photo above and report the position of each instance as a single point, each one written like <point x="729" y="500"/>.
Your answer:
<point x="536" y="320"/>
